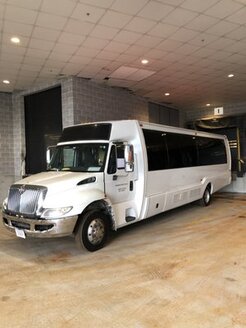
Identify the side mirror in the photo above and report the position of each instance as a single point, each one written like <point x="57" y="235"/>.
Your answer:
<point x="49" y="152"/>
<point x="129" y="158"/>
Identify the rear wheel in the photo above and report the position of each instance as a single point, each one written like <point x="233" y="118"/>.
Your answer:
<point x="206" y="198"/>
<point x="92" y="232"/>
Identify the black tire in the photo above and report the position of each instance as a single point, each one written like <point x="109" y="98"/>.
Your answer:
<point x="206" y="198"/>
<point x="92" y="232"/>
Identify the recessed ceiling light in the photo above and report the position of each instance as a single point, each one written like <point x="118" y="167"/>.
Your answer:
<point x="15" y="39"/>
<point x="144" y="61"/>
<point x="208" y="105"/>
<point x="167" y="94"/>
<point x="230" y="75"/>
<point x="6" y="81"/>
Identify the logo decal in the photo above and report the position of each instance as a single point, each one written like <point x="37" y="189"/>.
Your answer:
<point x="22" y="189"/>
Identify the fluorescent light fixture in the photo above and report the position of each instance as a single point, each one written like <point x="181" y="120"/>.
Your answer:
<point x="144" y="61"/>
<point x="15" y="39"/>
<point x="6" y="82"/>
<point x="230" y="75"/>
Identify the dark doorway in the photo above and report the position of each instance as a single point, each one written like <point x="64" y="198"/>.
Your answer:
<point x="43" y="126"/>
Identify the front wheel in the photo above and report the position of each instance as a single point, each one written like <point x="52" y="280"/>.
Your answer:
<point x="206" y="198"/>
<point x="92" y="232"/>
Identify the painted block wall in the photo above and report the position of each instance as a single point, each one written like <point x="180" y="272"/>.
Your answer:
<point x="6" y="143"/>
<point x="98" y="102"/>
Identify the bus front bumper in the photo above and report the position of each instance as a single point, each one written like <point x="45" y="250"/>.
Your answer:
<point x="40" y="228"/>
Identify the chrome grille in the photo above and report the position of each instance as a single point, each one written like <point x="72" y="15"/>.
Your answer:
<point x="26" y="199"/>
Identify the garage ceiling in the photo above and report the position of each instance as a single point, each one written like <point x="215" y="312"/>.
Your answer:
<point x="191" y="46"/>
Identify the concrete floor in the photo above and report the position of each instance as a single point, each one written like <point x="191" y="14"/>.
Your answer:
<point x="185" y="268"/>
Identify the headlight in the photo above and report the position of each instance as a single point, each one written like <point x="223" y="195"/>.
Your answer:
<point x="56" y="213"/>
<point x="5" y="204"/>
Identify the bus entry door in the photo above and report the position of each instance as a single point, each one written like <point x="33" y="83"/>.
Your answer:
<point x="120" y="181"/>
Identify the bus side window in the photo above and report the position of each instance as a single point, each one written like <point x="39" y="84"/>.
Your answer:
<point x="156" y="150"/>
<point x="182" y="150"/>
<point x="211" y="151"/>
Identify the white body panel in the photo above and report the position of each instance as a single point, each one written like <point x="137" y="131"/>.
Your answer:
<point x="170" y="190"/>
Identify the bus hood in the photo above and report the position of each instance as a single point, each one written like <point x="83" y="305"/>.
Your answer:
<point x="61" y="181"/>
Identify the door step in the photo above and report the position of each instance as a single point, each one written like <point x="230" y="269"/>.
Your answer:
<point x="130" y="218"/>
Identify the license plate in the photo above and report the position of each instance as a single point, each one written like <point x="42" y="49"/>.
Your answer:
<point x="20" y="233"/>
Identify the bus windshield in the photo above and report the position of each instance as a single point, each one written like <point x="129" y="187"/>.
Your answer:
<point x="85" y="157"/>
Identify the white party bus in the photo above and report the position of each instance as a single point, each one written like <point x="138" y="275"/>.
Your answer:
<point x="107" y="175"/>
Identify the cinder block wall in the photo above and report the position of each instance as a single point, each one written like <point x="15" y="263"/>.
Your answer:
<point x="98" y="102"/>
<point x="6" y="144"/>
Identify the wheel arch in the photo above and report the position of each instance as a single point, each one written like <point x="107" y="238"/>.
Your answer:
<point x="206" y="196"/>
<point x="102" y="205"/>
<point x="210" y="186"/>
<point x="207" y="184"/>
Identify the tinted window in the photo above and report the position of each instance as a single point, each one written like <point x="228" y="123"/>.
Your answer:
<point x="112" y="161"/>
<point x="173" y="150"/>
<point x="156" y="150"/>
<point x="87" y="132"/>
<point x="211" y="151"/>
<point x="181" y="150"/>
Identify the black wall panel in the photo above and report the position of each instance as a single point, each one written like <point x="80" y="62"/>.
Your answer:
<point x="43" y="126"/>
<point x="163" y="115"/>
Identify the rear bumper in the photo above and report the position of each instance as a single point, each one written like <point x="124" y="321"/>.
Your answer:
<point x="40" y="228"/>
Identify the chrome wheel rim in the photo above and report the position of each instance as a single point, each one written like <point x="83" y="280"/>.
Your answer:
<point x="96" y="231"/>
